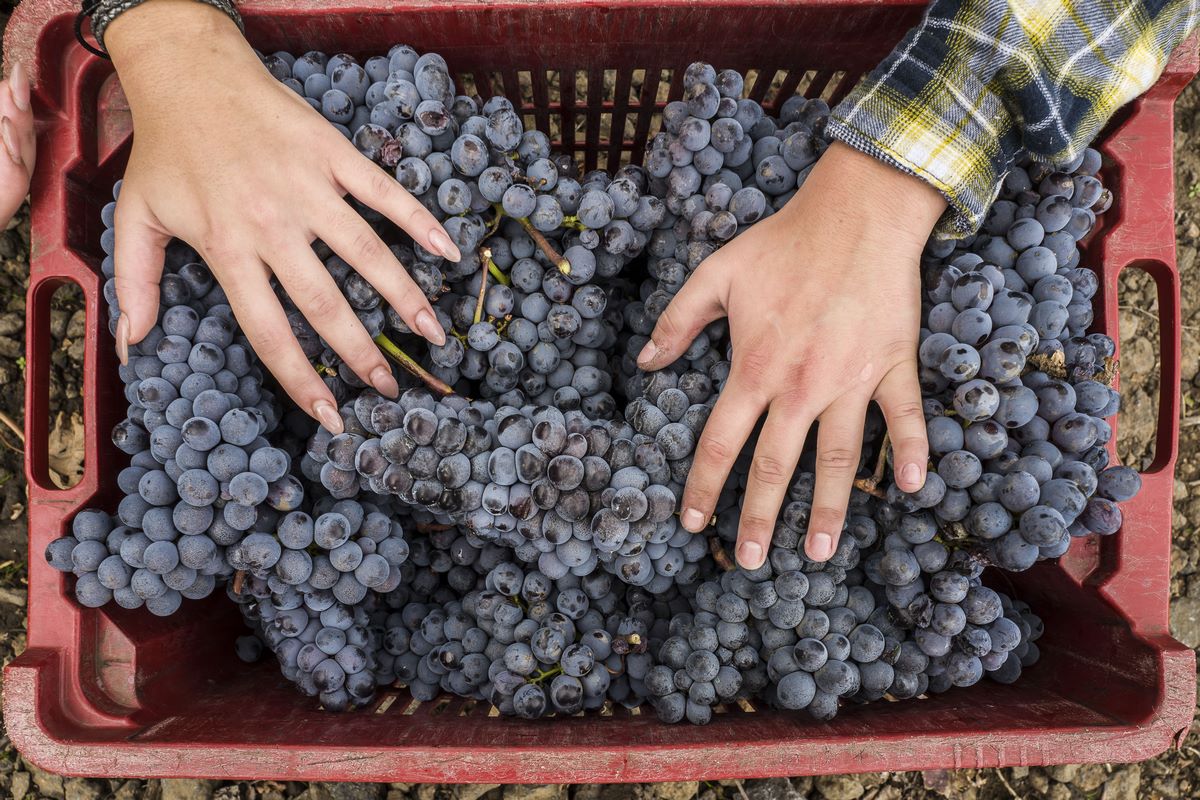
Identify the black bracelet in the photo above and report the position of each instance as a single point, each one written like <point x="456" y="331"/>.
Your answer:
<point x="103" y="12"/>
<point x="89" y="7"/>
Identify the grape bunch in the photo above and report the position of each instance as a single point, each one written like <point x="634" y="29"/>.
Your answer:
<point x="721" y="163"/>
<point x="506" y="529"/>
<point x="526" y="311"/>
<point x="313" y="594"/>
<point x="1016" y="390"/>
<point x="565" y="493"/>
<point x="202" y="473"/>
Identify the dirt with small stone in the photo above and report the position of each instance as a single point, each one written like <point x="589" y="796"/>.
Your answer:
<point x="1175" y="774"/>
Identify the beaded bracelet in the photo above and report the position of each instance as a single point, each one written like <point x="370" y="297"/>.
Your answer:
<point x="103" y="12"/>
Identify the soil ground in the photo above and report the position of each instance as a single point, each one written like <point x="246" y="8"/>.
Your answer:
<point x="1175" y="774"/>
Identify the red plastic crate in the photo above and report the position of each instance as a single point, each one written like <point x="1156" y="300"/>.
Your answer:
<point x="116" y="693"/>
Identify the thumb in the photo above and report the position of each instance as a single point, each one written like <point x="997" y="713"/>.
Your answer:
<point x="697" y="304"/>
<point x="138" y="254"/>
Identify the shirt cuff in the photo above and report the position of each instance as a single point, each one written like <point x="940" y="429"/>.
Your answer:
<point x="925" y="112"/>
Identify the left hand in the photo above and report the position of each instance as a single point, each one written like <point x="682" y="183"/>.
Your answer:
<point x="823" y="300"/>
<point x="16" y="134"/>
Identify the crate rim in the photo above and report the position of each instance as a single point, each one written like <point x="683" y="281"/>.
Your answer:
<point x="33" y="682"/>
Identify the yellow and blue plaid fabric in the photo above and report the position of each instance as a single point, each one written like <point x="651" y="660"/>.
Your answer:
<point x="977" y="81"/>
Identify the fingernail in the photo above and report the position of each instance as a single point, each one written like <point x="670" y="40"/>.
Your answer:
<point x="384" y="382"/>
<point x="328" y="416"/>
<point x="122" y="338"/>
<point x="19" y="82"/>
<point x="820" y="546"/>
<point x="648" y="353"/>
<point x="911" y="475"/>
<point x="10" y="141"/>
<point x="692" y="519"/>
<point x="441" y="242"/>
<point x="428" y="326"/>
<point x="750" y="555"/>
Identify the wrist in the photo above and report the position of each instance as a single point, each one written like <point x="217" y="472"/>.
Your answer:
<point x="852" y="185"/>
<point x="157" y="38"/>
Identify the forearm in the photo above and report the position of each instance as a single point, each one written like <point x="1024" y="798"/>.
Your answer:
<point x="104" y="12"/>
<point x="153" y="44"/>
<point x="866" y="189"/>
<point x="143" y="39"/>
<point x="971" y="86"/>
<point x="925" y="111"/>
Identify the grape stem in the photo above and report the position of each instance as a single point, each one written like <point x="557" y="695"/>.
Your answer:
<point x="495" y="270"/>
<point x="564" y="266"/>
<point x="550" y="673"/>
<point x="1109" y="374"/>
<point x="392" y="351"/>
<point x="238" y="578"/>
<point x="572" y="221"/>
<point x="719" y="555"/>
<point x="494" y="225"/>
<point x="485" y="253"/>
<point x="870" y="484"/>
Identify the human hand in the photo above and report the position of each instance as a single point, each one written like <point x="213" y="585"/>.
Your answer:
<point x="245" y="171"/>
<point x="16" y="131"/>
<point x="823" y="300"/>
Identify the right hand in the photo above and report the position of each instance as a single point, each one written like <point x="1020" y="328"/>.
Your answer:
<point x="803" y="291"/>
<point x="245" y="171"/>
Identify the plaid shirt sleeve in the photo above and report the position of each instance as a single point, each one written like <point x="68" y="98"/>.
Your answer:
<point x="978" y="80"/>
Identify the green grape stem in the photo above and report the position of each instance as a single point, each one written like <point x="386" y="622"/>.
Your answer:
<point x="496" y="273"/>
<point x="393" y="351"/>
<point x="550" y="673"/>
<point x="494" y="225"/>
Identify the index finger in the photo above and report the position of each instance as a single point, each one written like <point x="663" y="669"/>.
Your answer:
<point x="371" y="185"/>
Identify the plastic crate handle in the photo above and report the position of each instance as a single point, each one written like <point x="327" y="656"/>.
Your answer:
<point x="1143" y="237"/>
<point x="54" y="263"/>
<point x="49" y="273"/>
